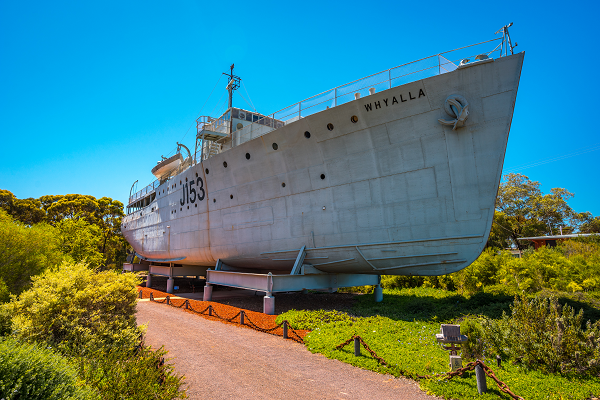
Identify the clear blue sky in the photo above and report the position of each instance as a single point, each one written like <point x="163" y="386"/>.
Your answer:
<point x="93" y="93"/>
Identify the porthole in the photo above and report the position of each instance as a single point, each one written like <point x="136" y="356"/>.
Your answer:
<point x="322" y="176"/>
<point x="307" y="134"/>
<point x="247" y="156"/>
<point x="214" y="200"/>
<point x="186" y="179"/>
<point x="188" y="207"/>
<point x="225" y="164"/>
<point x="180" y="182"/>
<point x="275" y="146"/>
<point x="206" y="171"/>
<point x="231" y="196"/>
<point x="180" y="208"/>
<point x="196" y="174"/>
<point x="196" y="205"/>
<point x="330" y="126"/>
<point x="140" y="214"/>
<point x="283" y="184"/>
<point x="354" y="119"/>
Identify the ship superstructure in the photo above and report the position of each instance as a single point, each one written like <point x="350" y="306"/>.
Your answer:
<point x="396" y="173"/>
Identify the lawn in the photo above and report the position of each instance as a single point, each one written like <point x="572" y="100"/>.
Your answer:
<point x="402" y="329"/>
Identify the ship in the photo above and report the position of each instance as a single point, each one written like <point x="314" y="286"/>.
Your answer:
<point x="393" y="174"/>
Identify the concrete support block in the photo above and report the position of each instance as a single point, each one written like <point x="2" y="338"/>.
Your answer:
<point x="304" y="291"/>
<point x="170" y="284"/>
<point x="149" y="281"/>
<point x="269" y="305"/>
<point x="378" y="294"/>
<point x="207" y="293"/>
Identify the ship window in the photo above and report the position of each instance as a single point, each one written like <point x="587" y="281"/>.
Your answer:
<point x="188" y="207"/>
<point x="254" y="117"/>
<point x="239" y="126"/>
<point x="247" y="156"/>
<point x="186" y="179"/>
<point x="249" y="117"/>
<point x="275" y="146"/>
<point x="196" y="174"/>
<point x="322" y="176"/>
<point x="214" y="200"/>
<point x="225" y="164"/>
<point x="330" y="127"/>
<point x="283" y="184"/>
<point x="181" y="209"/>
<point x="231" y="196"/>
<point x="196" y="205"/>
<point x="307" y="134"/>
<point x="206" y="171"/>
<point x="354" y="119"/>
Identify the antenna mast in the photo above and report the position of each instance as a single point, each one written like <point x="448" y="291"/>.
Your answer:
<point x="234" y="84"/>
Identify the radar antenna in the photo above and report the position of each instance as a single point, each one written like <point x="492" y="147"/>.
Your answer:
<point x="234" y="84"/>
<point x="506" y="42"/>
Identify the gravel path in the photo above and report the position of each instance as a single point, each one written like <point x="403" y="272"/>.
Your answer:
<point x="222" y="361"/>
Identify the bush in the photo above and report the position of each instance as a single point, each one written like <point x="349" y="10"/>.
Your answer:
<point x="125" y="374"/>
<point x="76" y="308"/>
<point x="310" y="320"/>
<point x="26" y="251"/>
<point x="541" y="334"/>
<point x="32" y="372"/>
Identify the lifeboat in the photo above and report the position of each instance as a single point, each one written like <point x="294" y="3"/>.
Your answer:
<point x="164" y="167"/>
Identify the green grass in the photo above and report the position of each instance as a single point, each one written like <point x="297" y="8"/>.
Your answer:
<point x="401" y="330"/>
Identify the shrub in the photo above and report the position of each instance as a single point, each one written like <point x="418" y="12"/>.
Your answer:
<point x="310" y="320"/>
<point x="131" y="374"/>
<point x="76" y="308"/>
<point x="541" y="334"/>
<point x="32" y="372"/>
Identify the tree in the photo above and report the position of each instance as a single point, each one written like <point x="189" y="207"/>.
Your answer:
<point x="522" y="210"/>
<point x="25" y="251"/>
<point x="28" y="211"/>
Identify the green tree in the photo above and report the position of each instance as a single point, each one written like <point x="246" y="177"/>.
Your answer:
<point x="81" y="241"/>
<point x="28" y="211"/>
<point x="25" y="251"/>
<point x="522" y="210"/>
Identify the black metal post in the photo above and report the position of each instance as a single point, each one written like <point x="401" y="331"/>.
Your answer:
<point x="356" y="347"/>
<point x="480" y="376"/>
<point x="210" y="311"/>
<point x="241" y="317"/>
<point x="285" y="329"/>
<point x="499" y="361"/>
<point x="168" y="300"/>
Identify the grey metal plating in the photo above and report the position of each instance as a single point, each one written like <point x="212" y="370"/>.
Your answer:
<point x="395" y="180"/>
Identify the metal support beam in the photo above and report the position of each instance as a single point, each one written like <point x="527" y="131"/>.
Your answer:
<point x="299" y="260"/>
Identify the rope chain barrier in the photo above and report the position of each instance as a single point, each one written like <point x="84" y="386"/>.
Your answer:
<point x="448" y="375"/>
<point x="211" y="312"/>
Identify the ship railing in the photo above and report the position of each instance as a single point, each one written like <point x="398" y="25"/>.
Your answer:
<point x="423" y="68"/>
<point x="149" y="189"/>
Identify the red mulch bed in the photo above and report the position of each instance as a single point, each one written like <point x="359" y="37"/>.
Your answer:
<point x="224" y="311"/>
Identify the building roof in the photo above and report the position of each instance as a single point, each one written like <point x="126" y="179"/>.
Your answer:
<point x="558" y="236"/>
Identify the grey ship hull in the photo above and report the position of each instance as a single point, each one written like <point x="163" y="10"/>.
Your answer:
<point x="394" y="193"/>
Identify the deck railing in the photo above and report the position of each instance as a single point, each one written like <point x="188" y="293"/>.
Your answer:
<point x="427" y="67"/>
<point x="423" y="68"/>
